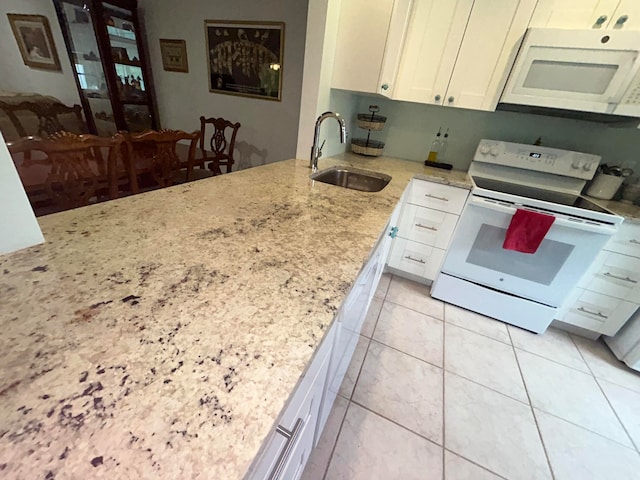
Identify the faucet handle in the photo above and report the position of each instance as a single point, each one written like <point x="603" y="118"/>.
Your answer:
<point x="320" y="148"/>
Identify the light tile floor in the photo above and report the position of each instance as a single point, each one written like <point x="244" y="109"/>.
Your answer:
<point x="435" y="392"/>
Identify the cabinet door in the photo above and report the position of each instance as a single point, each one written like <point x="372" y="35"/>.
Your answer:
<point x="433" y="39"/>
<point x="626" y="16"/>
<point x="491" y="41"/>
<point x="574" y="13"/>
<point x="368" y="45"/>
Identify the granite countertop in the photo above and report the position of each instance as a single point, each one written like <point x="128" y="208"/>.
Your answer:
<point x="160" y="335"/>
<point x="629" y="211"/>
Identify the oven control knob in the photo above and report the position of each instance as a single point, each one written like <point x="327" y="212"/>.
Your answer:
<point x="484" y="149"/>
<point x="587" y="166"/>
<point x="494" y="151"/>
<point x="577" y="164"/>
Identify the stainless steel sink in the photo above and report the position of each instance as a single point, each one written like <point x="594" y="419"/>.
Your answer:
<point x="354" y="178"/>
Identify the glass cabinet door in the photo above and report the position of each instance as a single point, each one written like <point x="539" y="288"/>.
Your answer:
<point x="130" y="78"/>
<point x="88" y="66"/>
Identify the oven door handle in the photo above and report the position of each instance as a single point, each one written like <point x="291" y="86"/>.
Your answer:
<point x="561" y="222"/>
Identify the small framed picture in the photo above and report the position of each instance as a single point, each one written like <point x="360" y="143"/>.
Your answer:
<point x="35" y="41"/>
<point x="174" y="55"/>
<point x="245" y="58"/>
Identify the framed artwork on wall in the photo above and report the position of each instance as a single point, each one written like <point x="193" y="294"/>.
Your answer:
<point x="245" y="58"/>
<point x="174" y="55"/>
<point x="35" y="41"/>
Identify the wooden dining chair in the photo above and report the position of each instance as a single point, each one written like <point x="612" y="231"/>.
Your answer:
<point x="221" y="143"/>
<point x="154" y="153"/>
<point x="67" y="170"/>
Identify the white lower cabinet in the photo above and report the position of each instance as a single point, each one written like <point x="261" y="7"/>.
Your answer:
<point x="428" y="218"/>
<point x="285" y="452"/>
<point x="609" y="293"/>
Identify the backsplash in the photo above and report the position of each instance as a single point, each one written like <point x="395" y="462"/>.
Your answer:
<point x="411" y="127"/>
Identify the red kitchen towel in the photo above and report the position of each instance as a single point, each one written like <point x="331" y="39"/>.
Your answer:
<point x="527" y="230"/>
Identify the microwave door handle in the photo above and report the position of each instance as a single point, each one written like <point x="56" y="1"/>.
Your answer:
<point x="561" y="222"/>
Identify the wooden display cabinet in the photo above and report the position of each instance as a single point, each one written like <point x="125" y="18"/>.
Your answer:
<point x="104" y="44"/>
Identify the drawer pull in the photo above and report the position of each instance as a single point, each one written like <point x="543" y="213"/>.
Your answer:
<point x="440" y="198"/>
<point x="597" y="314"/>
<point x="409" y="257"/>
<point x="292" y="439"/>
<point x="419" y="225"/>
<point x="633" y="240"/>
<point x="624" y="279"/>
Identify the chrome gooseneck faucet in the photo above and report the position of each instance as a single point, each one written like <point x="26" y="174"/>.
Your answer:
<point x="316" y="151"/>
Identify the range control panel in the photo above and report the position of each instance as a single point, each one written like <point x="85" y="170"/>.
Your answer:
<point x="539" y="159"/>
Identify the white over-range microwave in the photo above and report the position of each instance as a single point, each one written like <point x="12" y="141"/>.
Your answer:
<point x="594" y="71"/>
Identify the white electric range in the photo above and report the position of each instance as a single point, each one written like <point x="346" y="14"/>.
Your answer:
<point x="523" y="289"/>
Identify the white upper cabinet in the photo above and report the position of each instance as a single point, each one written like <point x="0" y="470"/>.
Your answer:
<point x="433" y="40"/>
<point x="587" y="14"/>
<point x="369" y="44"/>
<point x="489" y="46"/>
<point x="459" y="53"/>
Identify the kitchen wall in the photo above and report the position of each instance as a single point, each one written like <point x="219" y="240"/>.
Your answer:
<point x="16" y="76"/>
<point x="18" y="225"/>
<point x="269" y="129"/>
<point x="411" y="128"/>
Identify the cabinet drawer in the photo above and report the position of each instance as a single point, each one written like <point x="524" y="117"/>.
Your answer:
<point x="416" y="258"/>
<point x="596" y="312"/>
<point x="614" y="275"/>
<point x="626" y="240"/>
<point x="424" y="225"/>
<point x="437" y="196"/>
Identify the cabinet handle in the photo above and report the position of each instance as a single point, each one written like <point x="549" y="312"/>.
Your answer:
<point x="385" y="86"/>
<point x="597" y="314"/>
<point x="440" y="198"/>
<point x="601" y="19"/>
<point x="625" y="279"/>
<point x="426" y="226"/>
<point x="451" y="99"/>
<point x="292" y="439"/>
<point x="633" y="240"/>
<point x="437" y="98"/>
<point x="621" y="21"/>
<point x="419" y="260"/>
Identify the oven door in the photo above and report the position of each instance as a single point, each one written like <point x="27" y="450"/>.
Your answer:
<point x="583" y="70"/>
<point x="546" y="276"/>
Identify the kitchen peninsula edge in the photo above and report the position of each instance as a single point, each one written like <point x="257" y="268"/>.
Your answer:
<point x="160" y="335"/>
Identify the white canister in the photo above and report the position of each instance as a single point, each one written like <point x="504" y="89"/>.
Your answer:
<point x="604" y="186"/>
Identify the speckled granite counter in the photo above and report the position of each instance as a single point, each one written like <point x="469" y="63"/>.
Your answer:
<point x="159" y="336"/>
<point x="629" y="211"/>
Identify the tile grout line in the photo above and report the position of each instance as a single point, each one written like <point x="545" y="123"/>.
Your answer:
<point x="333" y="448"/>
<point x="605" y="395"/>
<point x="414" y="310"/>
<point x="533" y="414"/>
<point x="475" y="463"/>
<point x="405" y="353"/>
<point x="369" y="409"/>
<point x="552" y="360"/>
<point x="444" y="418"/>
<point x="355" y="384"/>
<point x="593" y="374"/>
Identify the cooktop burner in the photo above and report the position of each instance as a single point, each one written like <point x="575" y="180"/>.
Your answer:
<point x="538" y="194"/>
